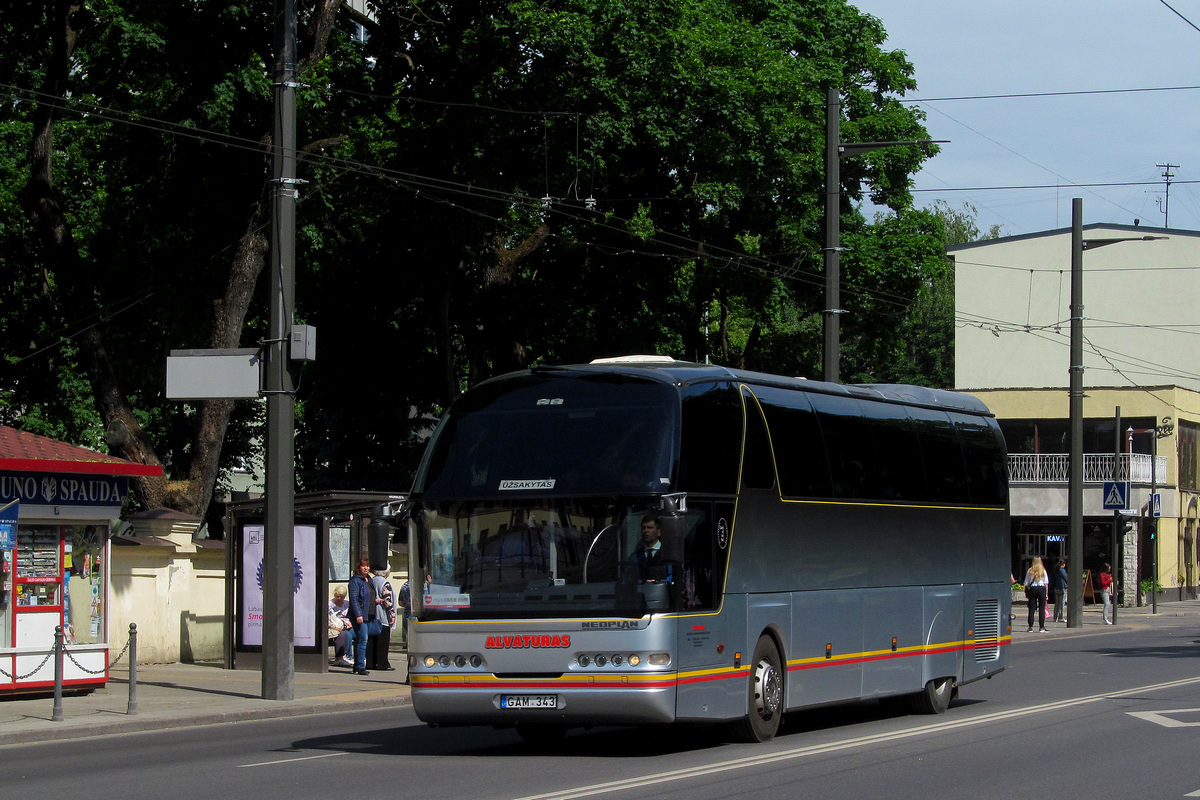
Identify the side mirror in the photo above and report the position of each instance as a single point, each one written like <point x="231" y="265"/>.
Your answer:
<point x="673" y="530"/>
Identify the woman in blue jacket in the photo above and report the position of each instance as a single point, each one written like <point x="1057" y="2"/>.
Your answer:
<point x="362" y="611"/>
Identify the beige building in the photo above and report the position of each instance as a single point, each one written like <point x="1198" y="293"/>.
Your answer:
<point x="1141" y="353"/>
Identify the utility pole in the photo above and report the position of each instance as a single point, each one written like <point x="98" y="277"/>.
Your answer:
<point x="833" y="240"/>
<point x="278" y="652"/>
<point x="1167" y="175"/>
<point x="1075" y="410"/>
<point x="1075" y="462"/>
<point x="835" y="150"/>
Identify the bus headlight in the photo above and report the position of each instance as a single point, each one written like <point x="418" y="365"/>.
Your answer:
<point x="659" y="659"/>
<point x="634" y="659"/>
<point x="430" y="661"/>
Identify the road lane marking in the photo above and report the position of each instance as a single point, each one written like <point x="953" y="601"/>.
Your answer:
<point x="1161" y="718"/>
<point x="290" y="760"/>
<point x="848" y="744"/>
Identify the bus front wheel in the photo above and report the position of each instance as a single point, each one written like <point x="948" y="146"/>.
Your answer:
<point x="765" y="705"/>
<point x="935" y="697"/>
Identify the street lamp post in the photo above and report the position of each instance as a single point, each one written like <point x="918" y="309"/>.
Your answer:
<point x="1156" y="433"/>
<point x="1075" y="462"/>
<point x="834" y="151"/>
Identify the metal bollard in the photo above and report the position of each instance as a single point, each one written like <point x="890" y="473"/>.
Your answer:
<point x="57" y="715"/>
<point x="131" y="709"/>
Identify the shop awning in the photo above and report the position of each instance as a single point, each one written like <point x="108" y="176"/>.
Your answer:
<point x="21" y="451"/>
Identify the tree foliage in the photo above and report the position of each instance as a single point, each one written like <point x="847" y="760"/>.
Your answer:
<point x="489" y="185"/>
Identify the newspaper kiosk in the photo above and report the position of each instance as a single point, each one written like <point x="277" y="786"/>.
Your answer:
<point x="58" y="506"/>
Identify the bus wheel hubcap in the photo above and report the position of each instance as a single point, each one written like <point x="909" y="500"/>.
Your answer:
<point x="768" y="689"/>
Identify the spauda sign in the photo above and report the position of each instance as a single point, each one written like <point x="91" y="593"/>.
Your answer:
<point x="48" y="488"/>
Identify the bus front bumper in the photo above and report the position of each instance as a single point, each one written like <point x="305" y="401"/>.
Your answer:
<point x="443" y="701"/>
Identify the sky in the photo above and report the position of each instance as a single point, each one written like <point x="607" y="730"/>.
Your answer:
<point x="1102" y="147"/>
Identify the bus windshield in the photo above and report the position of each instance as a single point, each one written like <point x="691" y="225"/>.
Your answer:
<point x="590" y="557"/>
<point x="541" y="435"/>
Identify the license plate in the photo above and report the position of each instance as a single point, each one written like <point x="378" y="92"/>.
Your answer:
<point x="528" y="701"/>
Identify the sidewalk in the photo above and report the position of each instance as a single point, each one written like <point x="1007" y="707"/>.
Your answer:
<point x="1093" y="619"/>
<point x="183" y="695"/>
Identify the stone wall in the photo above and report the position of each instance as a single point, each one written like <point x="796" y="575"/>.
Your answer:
<point x="171" y="586"/>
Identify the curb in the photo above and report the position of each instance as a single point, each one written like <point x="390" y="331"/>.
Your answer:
<point x="140" y="724"/>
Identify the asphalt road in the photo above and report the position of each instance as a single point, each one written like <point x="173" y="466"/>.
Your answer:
<point x="1106" y="714"/>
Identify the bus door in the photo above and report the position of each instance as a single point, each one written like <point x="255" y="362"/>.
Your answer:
<point x="707" y="634"/>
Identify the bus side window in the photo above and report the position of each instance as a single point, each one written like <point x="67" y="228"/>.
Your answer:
<point x="944" y="468"/>
<point x="758" y="466"/>
<point x="796" y="439"/>
<point x="849" y="445"/>
<point x="710" y="439"/>
<point x="697" y="590"/>
<point x="900" y="478"/>
<point x="983" y="451"/>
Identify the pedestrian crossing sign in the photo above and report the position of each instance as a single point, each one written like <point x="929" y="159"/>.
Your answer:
<point x="1116" y="494"/>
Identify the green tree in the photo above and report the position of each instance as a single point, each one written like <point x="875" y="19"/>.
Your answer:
<point x="141" y="122"/>
<point x="489" y="185"/>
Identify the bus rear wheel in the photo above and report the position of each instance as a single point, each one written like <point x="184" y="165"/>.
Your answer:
<point x="935" y="697"/>
<point x="765" y="703"/>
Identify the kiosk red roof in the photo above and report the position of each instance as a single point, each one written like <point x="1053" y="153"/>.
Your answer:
<point x="28" y="452"/>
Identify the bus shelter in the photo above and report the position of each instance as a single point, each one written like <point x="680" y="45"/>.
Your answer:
<point x="330" y="535"/>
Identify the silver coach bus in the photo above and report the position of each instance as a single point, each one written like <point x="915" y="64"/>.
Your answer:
<point x="816" y="543"/>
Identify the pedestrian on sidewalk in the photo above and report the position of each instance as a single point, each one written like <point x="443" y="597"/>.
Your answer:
<point x="1036" y="583"/>
<point x="385" y="613"/>
<point x="1061" y="582"/>
<point x="362" y="611"/>
<point x="1106" y="587"/>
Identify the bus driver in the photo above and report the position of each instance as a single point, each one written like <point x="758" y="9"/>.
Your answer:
<point x="648" y="557"/>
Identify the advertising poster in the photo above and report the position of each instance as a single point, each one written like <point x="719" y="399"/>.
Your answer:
<point x="304" y="585"/>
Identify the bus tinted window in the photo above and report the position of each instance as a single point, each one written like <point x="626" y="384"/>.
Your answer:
<point x="758" y="468"/>
<point x="942" y="456"/>
<point x="710" y="439"/>
<point x="540" y="435"/>
<point x="849" y="446"/>
<point x="796" y="439"/>
<point x="900" y="473"/>
<point x="983" y="448"/>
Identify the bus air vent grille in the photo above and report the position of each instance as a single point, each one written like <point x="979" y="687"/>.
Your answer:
<point x="987" y="630"/>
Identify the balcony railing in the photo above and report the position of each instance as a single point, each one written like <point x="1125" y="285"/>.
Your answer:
<point x="1097" y="467"/>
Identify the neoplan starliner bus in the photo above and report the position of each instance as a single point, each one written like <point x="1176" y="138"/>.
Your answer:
<point x="818" y="543"/>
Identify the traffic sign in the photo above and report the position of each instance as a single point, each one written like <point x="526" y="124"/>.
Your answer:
<point x="1156" y="503"/>
<point x="1116" y="494"/>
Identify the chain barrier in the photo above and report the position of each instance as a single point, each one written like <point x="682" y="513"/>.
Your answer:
<point x="67" y="653"/>
<point x="59" y="650"/>
<point x="101" y="671"/>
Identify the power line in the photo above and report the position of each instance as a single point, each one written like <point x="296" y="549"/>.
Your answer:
<point x="1017" y="95"/>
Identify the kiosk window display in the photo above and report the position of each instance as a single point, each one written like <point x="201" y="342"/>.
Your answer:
<point x="54" y="575"/>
